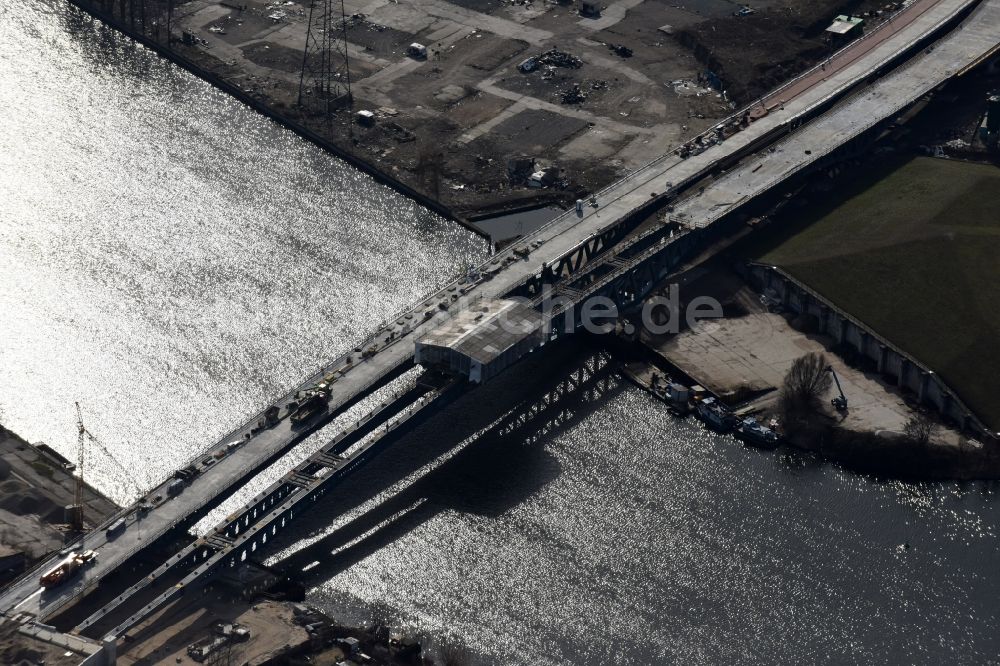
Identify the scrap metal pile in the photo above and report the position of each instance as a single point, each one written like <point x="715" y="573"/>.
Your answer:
<point x="551" y="58"/>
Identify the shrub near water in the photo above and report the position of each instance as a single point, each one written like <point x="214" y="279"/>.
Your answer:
<point x="805" y="385"/>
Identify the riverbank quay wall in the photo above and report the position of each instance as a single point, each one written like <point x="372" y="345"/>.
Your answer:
<point x="152" y="33"/>
<point x="893" y="364"/>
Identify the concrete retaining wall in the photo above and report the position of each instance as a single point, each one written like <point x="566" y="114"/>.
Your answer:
<point x="895" y="365"/>
<point x="91" y="653"/>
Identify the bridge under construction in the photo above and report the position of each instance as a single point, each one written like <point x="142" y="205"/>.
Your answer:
<point x="453" y="339"/>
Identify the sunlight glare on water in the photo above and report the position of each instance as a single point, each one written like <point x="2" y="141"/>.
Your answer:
<point x="171" y="259"/>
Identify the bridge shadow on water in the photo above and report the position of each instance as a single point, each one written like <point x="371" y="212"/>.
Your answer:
<point x="490" y="444"/>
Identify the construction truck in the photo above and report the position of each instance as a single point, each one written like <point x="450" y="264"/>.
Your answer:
<point x="309" y="404"/>
<point x="67" y="568"/>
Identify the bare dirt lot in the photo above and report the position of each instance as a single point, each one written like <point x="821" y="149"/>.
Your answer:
<point x="640" y="84"/>
<point x="166" y="636"/>
<point x="468" y="95"/>
<point x="752" y="54"/>
<point x="35" y="488"/>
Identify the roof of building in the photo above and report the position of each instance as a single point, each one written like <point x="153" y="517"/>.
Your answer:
<point x="844" y="24"/>
<point x="486" y="330"/>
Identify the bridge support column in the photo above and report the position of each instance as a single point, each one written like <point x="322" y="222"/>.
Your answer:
<point x="109" y="650"/>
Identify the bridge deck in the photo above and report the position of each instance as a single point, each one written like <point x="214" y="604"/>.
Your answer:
<point x="885" y="98"/>
<point x="239" y="536"/>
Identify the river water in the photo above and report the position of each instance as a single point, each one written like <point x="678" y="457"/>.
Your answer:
<point x="172" y="261"/>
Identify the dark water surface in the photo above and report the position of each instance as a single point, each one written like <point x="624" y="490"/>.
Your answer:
<point x="172" y="261"/>
<point x="510" y="225"/>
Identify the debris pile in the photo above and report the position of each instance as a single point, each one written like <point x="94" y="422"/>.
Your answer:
<point x="526" y="172"/>
<point x="399" y="133"/>
<point x="551" y="58"/>
<point x="519" y="169"/>
<point x="558" y="58"/>
<point x="620" y="50"/>
<point x="688" y="88"/>
<point x="358" y="20"/>
<point x="575" y="94"/>
<point x="714" y="135"/>
<point x="351" y="21"/>
<point x="279" y="9"/>
<point x="572" y="95"/>
<point x="224" y="634"/>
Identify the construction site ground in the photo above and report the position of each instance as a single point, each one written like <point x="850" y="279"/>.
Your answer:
<point x="448" y="124"/>
<point x="749" y="351"/>
<point x="35" y="488"/>
<point x="165" y="636"/>
<point x="926" y="255"/>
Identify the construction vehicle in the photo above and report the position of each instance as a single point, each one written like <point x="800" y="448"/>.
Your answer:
<point x="76" y="514"/>
<point x="67" y="568"/>
<point x="840" y="402"/>
<point x="271" y="416"/>
<point x="310" y="403"/>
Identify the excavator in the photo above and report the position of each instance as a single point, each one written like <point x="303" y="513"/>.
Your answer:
<point x="840" y="402"/>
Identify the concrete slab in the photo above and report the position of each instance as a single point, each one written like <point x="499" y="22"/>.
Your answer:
<point x="611" y="15"/>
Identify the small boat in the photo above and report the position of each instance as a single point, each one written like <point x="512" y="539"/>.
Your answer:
<point x="753" y="433"/>
<point x="716" y="415"/>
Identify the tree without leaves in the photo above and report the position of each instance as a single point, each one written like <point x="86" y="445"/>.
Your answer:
<point x="805" y="384"/>
<point x="919" y="429"/>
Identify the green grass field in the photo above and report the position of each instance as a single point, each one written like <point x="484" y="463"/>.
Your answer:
<point x="916" y="256"/>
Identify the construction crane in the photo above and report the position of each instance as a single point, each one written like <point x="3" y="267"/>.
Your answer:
<point x="83" y="436"/>
<point x="840" y="402"/>
<point x="76" y="519"/>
